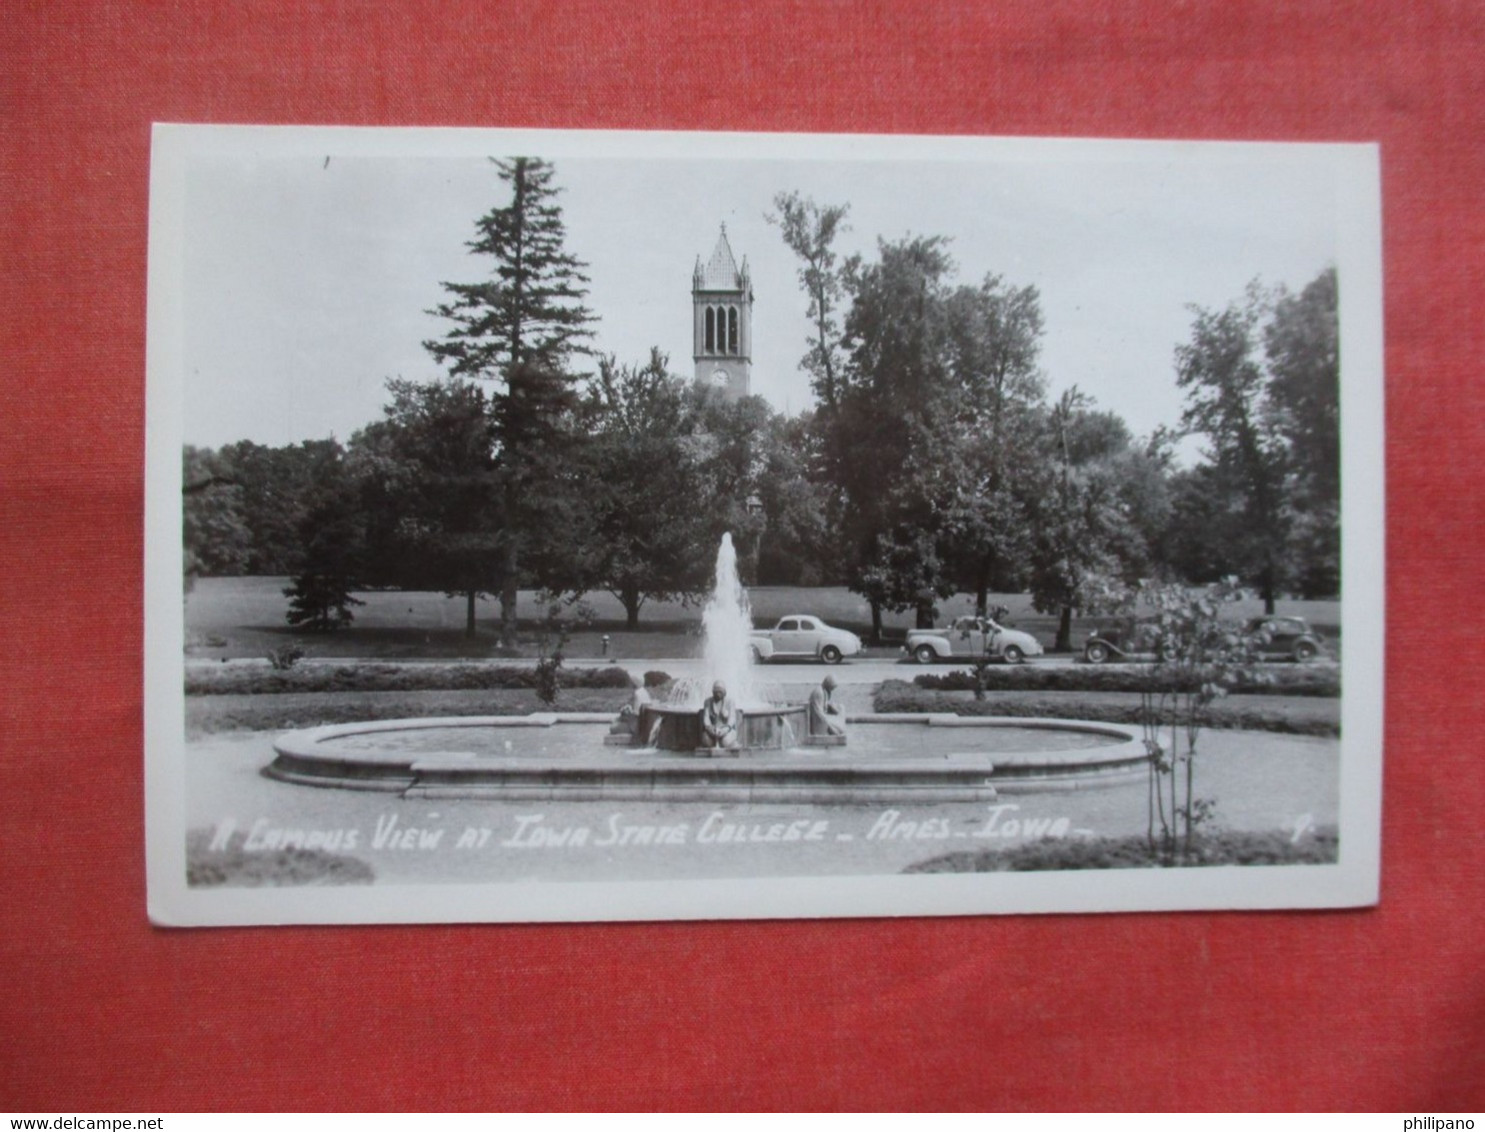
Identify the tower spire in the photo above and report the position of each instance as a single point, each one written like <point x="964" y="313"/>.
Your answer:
<point x="722" y="319"/>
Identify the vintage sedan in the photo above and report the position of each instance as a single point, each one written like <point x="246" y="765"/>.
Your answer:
<point x="1283" y="638"/>
<point x="970" y="638"/>
<point x="1124" y="640"/>
<point x="802" y="637"/>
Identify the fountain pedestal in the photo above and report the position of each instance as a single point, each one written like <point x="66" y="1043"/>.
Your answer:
<point x="665" y="727"/>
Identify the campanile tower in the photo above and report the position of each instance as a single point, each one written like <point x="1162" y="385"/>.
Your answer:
<point x="722" y="321"/>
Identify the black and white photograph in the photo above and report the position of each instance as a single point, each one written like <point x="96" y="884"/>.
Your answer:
<point x="608" y="526"/>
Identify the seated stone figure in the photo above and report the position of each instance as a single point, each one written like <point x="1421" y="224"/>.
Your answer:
<point x="628" y="721"/>
<point x="825" y="716"/>
<point x="719" y="720"/>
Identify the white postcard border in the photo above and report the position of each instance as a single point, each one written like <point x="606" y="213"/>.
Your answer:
<point x="1353" y="881"/>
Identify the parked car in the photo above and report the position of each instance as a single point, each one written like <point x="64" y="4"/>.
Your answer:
<point x="1284" y="638"/>
<point x="800" y="636"/>
<point x="1126" y="639"/>
<point x="1271" y="638"/>
<point x="970" y="638"/>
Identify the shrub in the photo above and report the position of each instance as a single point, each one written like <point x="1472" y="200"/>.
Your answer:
<point x="547" y="678"/>
<point x="1293" y="680"/>
<point x="285" y="657"/>
<point x="1305" y="716"/>
<point x="233" y="680"/>
<point x="207" y="715"/>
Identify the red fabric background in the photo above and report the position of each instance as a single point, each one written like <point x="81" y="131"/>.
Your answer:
<point x="1372" y="1009"/>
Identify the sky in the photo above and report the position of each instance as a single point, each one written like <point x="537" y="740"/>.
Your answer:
<point x="308" y="261"/>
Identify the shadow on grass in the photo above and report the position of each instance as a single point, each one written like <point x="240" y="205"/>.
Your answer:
<point x="236" y="867"/>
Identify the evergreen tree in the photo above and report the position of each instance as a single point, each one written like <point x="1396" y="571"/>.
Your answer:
<point x="518" y="330"/>
<point x="330" y="535"/>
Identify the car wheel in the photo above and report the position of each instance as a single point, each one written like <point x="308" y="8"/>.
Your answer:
<point x="1304" y="651"/>
<point x="830" y="654"/>
<point x="1013" y="654"/>
<point x="924" y="654"/>
<point x="1096" y="653"/>
<point x="757" y="656"/>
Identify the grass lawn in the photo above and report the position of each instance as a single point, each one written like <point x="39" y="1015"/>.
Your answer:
<point x="244" y="617"/>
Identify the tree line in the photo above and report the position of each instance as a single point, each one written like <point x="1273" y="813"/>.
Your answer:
<point x="934" y="461"/>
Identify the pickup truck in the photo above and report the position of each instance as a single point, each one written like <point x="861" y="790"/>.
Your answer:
<point x="802" y="637"/>
<point x="971" y="637"/>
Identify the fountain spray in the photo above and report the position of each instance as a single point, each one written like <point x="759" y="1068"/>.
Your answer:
<point x="727" y="622"/>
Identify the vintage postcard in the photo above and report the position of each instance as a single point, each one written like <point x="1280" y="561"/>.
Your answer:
<point x="604" y="526"/>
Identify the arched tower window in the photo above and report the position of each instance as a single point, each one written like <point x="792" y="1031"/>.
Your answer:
<point x="732" y="330"/>
<point x="711" y="331"/>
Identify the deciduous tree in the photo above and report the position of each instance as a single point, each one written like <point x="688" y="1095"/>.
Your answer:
<point x="431" y="491"/>
<point x="892" y="428"/>
<point x="1302" y="347"/>
<point x="1262" y="385"/>
<point x="995" y="340"/>
<point x="646" y="500"/>
<point x="277" y="485"/>
<point x="215" y="539"/>
<point x="1088" y="544"/>
<point x="1225" y="383"/>
<point x="810" y="230"/>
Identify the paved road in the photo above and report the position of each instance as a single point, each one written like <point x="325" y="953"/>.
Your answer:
<point x="869" y="670"/>
<point x="860" y="670"/>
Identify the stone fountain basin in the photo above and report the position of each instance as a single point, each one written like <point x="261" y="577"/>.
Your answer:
<point x="561" y="756"/>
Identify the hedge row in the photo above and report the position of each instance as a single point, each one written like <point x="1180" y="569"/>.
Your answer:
<point x="206" y="715"/>
<point x="1320" y="847"/>
<point x="1292" y="680"/>
<point x="243" y="680"/>
<point x="1297" y="716"/>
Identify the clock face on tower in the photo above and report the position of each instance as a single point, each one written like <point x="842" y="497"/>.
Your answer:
<point x="719" y="378"/>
